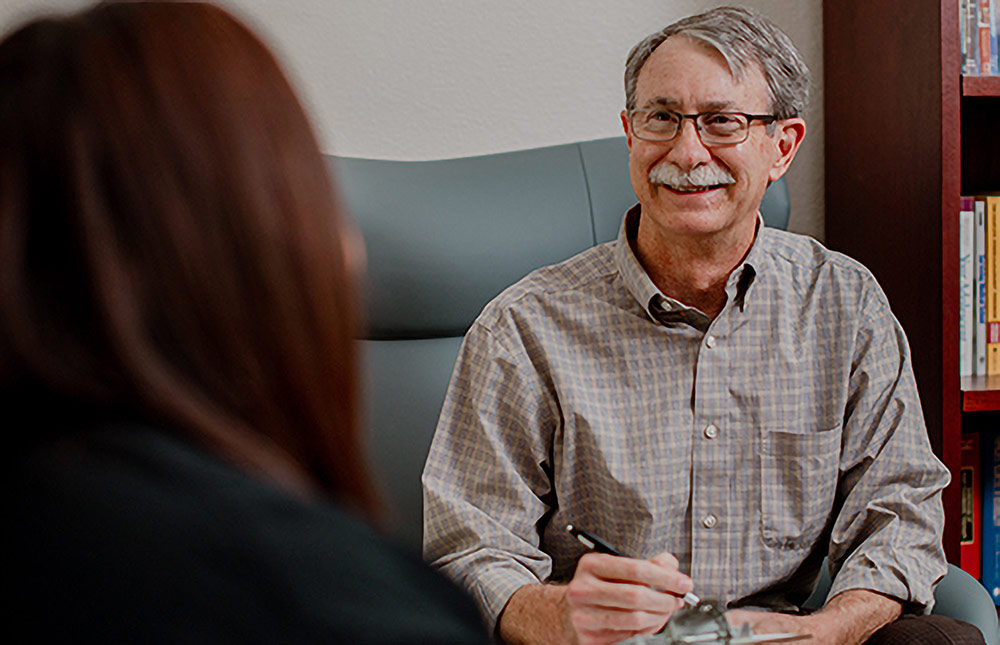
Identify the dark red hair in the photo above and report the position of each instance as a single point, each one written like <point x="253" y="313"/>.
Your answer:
<point x="170" y="242"/>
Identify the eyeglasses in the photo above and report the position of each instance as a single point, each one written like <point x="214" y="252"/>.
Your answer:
<point x="714" y="128"/>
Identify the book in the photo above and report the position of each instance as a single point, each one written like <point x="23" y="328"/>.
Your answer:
<point x="994" y="34"/>
<point x="970" y="553"/>
<point x="990" y="442"/>
<point x="969" y="20"/>
<point x="984" y="24"/>
<point x="979" y="337"/>
<point x="992" y="205"/>
<point x="966" y="286"/>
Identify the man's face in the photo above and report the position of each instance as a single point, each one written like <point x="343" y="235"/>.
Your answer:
<point x="687" y="77"/>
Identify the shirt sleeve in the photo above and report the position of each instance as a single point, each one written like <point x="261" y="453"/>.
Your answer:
<point x="486" y="482"/>
<point x="888" y="534"/>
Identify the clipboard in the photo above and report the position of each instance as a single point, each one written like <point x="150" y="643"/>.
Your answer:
<point x="705" y="624"/>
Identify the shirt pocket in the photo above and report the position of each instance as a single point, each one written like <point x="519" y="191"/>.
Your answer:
<point x="798" y="473"/>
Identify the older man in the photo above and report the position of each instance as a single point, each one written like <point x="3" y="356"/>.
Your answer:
<point x="724" y="402"/>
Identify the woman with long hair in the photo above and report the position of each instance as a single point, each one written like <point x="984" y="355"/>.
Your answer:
<point x="177" y="366"/>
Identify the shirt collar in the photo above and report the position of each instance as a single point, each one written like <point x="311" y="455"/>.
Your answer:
<point x="663" y="309"/>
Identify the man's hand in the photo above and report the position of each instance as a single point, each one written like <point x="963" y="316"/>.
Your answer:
<point x="849" y="617"/>
<point x="764" y="622"/>
<point x="609" y="599"/>
<point x="612" y="598"/>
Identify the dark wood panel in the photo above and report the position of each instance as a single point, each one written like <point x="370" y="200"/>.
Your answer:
<point x="892" y="109"/>
<point x="884" y="164"/>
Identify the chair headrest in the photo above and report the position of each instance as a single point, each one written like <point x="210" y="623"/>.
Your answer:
<point x="445" y="237"/>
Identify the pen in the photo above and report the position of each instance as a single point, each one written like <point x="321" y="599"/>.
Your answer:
<point x="598" y="545"/>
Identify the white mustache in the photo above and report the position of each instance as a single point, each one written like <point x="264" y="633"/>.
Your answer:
<point x="670" y="175"/>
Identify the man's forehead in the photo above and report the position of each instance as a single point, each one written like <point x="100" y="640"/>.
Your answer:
<point x="686" y="71"/>
<point x="671" y="103"/>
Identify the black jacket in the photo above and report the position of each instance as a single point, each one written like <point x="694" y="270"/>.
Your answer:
<point x="126" y="534"/>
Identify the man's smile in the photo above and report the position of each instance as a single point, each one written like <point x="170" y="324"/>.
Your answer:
<point x="702" y="179"/>
<point x="692" y="190"/>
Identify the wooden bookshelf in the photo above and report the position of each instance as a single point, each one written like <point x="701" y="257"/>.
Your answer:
<point x="906" y="136"/>
<point x="980" y="394"/>
<point x="981" y="86"/>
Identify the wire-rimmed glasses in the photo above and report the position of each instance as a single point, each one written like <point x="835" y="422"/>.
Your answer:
<point x="714" y="128"/>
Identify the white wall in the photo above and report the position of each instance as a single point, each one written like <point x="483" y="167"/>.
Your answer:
<point x="432" y="79"/>
<point x="15" y="12"/>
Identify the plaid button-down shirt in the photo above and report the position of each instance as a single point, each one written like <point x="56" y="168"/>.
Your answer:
<point x="750" y="446"/>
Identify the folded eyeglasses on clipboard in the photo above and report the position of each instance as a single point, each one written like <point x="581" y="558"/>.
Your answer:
<point x="705" y="623"/>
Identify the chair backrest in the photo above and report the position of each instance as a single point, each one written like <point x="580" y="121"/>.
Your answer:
<point x="443" y="238"/>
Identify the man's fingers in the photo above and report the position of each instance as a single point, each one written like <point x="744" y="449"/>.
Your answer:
<point x="612" y="620"/>
<point x="659" y="575"/>
<point x="666" y="559"/>
<point x="621" y="596"/>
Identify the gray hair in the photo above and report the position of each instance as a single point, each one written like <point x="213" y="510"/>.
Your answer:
<point x="740" y="35"/>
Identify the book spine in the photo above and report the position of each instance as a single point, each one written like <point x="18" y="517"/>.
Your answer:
<point x="963" y="9"/>
<point x="985" y="66"/>
<point x="966" y="326"/>
<point x="991" y="515"/>
<point x="979" y="339"/>
<point x="970" y="553"/>
<point x="992" y="289"/>
<point x="963" y="45"/>
<point x="994" y="44"/>
<point x="972" y="37"/>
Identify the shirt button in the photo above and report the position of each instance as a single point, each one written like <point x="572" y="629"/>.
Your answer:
<point x="711" y="431"/>
<point x="710" y="342"/>
<point x="709" y="521"/>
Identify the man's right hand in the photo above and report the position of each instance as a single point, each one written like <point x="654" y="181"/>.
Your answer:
<point x="612" y="598"/>
<point x="609" y="599"/>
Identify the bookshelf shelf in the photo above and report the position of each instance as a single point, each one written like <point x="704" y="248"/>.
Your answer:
<point x="980" y="394"/>
<point x="981" y="86"/>
<point x="892" y="193"/>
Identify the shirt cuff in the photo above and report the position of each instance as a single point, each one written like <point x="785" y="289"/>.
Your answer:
<point x="492" y="586"/>
<point x="907" y="580"/>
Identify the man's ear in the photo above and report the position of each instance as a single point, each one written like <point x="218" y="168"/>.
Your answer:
<point x="787" y="139"/>
<point x="628" y="130"/>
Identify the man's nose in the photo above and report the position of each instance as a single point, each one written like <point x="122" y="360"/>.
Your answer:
<point x="687" y="149"/>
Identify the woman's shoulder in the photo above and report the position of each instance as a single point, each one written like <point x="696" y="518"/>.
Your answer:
<point x="129" y="528"/>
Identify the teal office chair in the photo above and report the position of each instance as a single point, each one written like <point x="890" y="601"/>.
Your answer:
<point x="445" y="237"/>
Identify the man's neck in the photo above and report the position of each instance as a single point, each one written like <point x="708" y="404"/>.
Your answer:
<point x="693" y="270"/>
